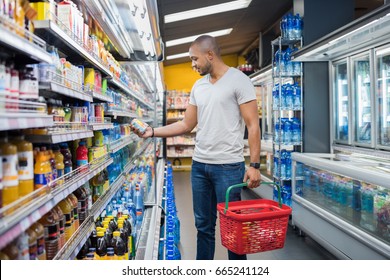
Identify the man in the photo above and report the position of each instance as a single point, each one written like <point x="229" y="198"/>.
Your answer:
<point x="220" y="103"/>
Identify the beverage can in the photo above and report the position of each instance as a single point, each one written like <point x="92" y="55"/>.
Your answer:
<point x="139" y="125"/>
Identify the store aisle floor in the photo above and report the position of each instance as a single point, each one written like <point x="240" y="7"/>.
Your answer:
<point x="296" y="247"/>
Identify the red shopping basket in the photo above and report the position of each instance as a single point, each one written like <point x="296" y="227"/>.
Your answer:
<point x="253" y="226"/>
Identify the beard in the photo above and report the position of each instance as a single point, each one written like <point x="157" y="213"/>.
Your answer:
<point x="205" y="70"/>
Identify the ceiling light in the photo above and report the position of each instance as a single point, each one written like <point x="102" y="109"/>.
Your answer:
<point x="179" y="55"/>
<point x="192" y="38"/>
<point x="209" y="10"/>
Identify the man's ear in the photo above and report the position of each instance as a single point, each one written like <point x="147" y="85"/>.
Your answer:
<point x="210" y="55"/>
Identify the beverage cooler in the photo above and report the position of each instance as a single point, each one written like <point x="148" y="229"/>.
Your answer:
<point x="342" y="198"/>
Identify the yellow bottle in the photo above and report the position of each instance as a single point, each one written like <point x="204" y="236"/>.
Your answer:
<point x="60" y="166"/>
<point x="74" y="201"/>
<point x="9" y="154"/>
<point x="67" y="209"/>
<point x="26" y="165"/>
<point x="40" y="232"/>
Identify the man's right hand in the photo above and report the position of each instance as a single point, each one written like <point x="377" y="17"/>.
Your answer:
<point x="148" y="132"/>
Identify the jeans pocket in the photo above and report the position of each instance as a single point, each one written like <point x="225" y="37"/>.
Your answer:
<point x="232" y="166"/>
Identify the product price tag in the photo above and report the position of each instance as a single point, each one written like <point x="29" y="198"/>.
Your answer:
<point x="35" y="216"/>
<point x="23" y="123"/>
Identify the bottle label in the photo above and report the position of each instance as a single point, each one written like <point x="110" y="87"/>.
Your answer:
<point x="10" y="171"/>
<point x="68" y="169"/>
<point x="24" y="86"/>
<point x="81" y="162"/>
<point x="60" y="173"/>
<point x="26" y="165"/>
<point x="51" y="232"/>
<point x="41" y="180"/>
<point x="41" y="246"/>
<point x="33" y="251"/>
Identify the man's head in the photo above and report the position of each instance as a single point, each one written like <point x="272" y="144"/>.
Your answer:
<point x="204" y="52"/>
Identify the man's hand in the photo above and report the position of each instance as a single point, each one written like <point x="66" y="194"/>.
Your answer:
<point x="254" y="177"/>
<point x="148" y="132"/>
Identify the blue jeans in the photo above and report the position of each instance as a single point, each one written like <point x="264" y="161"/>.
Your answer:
<point x="209" y="185"/>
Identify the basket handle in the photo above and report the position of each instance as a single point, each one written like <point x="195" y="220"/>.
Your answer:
<point x="245" y="185"/>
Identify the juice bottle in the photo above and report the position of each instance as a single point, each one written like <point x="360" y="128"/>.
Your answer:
<point x="61" y="226"/>
<point x="52" y="233"/>
<point x="4" y="256"/>
<point x="67" y="210"/>
<point x="40" y="233"/>
<point x="67" y="158"/>
<point x="125" y="237"/>
<point x="82" y="204"/>
<point x="22" y="244"/>
<point x="111" y="254"/>
<point x="99" y="138"/>
<point x="101" y="248"/>
<point x="81" y="154"/>
<point x="52" y="161"/>
<point x="42" y="170"/>
<point x="26" y="165"/>
<point x="120" y="247"/>
<point x="9" y="154"/>
<point x="59" y="160"/>
<point x="32" y="244"/>
<point x="74" y="201"/>
<point x="11" y="251"/>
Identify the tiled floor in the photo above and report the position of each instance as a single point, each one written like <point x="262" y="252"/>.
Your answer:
<point x="296" y="247"/>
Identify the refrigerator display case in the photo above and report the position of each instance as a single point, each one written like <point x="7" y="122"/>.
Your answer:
<point x="383" y="93"/>
<point x="343" y="202"/>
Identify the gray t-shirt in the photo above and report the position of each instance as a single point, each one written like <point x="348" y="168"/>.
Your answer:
<point x="220" y="132"/>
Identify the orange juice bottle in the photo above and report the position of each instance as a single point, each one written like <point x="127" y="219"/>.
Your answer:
<point x="40" y="233"/>
<point x="9" y="153"/>
<point x="74" y="201"/>
<point x="67" y="210"/>
<point x="26" y="165"/>
<point x="42" y="171"/>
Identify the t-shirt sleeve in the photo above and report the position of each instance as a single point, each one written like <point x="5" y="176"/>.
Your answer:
<point x="192" y="96"/>
<point x="245" y="91"/>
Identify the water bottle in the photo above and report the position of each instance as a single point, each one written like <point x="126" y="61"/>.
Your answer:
<point x="139" y="207"/>
<point x="283" y="26"/>
<point x="289" y="92"/>
<point x="296" y="97"/>
<point x="297" y="26"/>
<point x="286" y="195"/>
<point x="286" y="131"/>
<point x="283" y="97"/>
<point x="288" y="165"/>
<point x="277" y="60"/>
<point x="277" y="132"/>
<point x="289" y="26"/>
<point x="287" y="62"/>
<point x="296" y="131"/>
<point x="275" y="97"/>
<point x="283" y="168"/>
<point x="276" y="164"/>
<point x="295" y="66"/>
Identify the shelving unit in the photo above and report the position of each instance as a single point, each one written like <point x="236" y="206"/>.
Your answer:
<point x="17" y="217"/>
<point x="285" y="111"/>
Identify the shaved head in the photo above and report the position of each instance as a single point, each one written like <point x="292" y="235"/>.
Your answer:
<point x="207" y="43"/>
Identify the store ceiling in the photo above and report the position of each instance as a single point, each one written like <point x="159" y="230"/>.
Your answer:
<point x="247" y="23"/>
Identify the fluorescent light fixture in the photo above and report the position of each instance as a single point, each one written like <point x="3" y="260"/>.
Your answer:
<point x="179" y="55"/>
<point x="209" y="10"/>
<point x="383" y="51"/>
<point x="192" y="38"/>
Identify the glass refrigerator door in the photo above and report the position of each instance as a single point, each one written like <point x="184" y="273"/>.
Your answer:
<point x="383" y="91"/>
<point x="341" y="103"/>
<point x="266" y="93"/>
<point x="362" y="99"/>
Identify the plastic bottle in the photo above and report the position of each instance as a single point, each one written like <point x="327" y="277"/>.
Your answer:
<point x="39" y="231"/>
<point x="42" y="173"/>
<point x="81" y="154"/>
<point x="124" y="234"/>
<point x="67" y="158"/>
<point x="101" y="248"/>
<point x="289" y="92"/>
<point x="283" y="25"/>
<point x="111" y="254"/>
<point x="73" y="199"/>
<point x="286" y="131"/>
<point x="11" y="251"/>
<point x="23" y="246"/>
<point x="61" y="223"/>
<point x="119" y="246"/>
<point x="26" y="165"/>
<point x="9" y="155"/>
<point x="67" y="209"/>
<point x="59" y="164"/>
<point x="32" y="244"/>
<point x="82" y="204"/>
<point x="99" y="138"/>
<point x="296" y="131"/>
<point x="52" y="234"/>
<point x="297" y="96"/>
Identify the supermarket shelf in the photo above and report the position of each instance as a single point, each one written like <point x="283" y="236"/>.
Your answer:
<point x="35" y="50"/>
<point x="288" y="109"/>
<point x="285" y="42"/>
<point x="115" y="114"/>
<point x="121" y="143"/>
<point x="101" y="126"/>
<point x="43" y="200"/>
<point x="101" y="97"/>
<point x="51" y="87"/>
<point x="54" y="35"/>
<point x="21" y="121"/>
<point x="287" y="147"/>
<point x="60" y="137"/>
<point x="129" y="91"/>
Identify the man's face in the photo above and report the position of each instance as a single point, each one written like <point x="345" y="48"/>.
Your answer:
<point x="200" y="60"/>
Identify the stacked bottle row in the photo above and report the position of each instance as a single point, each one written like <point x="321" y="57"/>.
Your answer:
<point x="290" y="97"/>
<point x="283" y="64"/>
<point x="285" y="194"/>
<point x="291" y="27"/>
<point x="127" y="208"/>
<point x="47" y="236"/>
<point x="352" y="199"/>
<point x="171" y="229"/>
<point x="288" y="131"/>
<point x="283" y="171"/>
